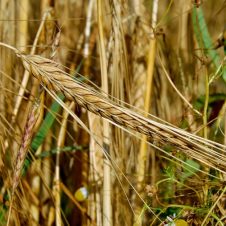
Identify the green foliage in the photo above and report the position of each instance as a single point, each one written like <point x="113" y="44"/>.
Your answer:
<point x="204" y="39"/>
<point x="48" y="153"/>
<point x="2" y="216"/>
<point x="3" y="210"/>
<point x="189" y="169"/>
<point x="213" y="98"/>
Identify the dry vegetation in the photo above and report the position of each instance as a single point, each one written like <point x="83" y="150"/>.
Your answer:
<point x="112" y="112"/>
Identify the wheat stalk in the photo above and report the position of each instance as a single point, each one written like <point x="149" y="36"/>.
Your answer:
<point x="50" y="74"/>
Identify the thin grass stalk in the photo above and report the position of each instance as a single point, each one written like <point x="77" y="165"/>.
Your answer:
<point x="51" y="216"/>
<point x="143" y="146"/>
<point x="88" y="28"/>
<point x="204" y="41"/>
<point x="119" y="80"/>
<point x="26" y="75"/>
<point x="183" y="34"/>
<point x="44" y="4"/>
<point x="206" y="104"/>
<point x="46" y="177"/>
<point x="60" y="144"/>
<point x="7" y="34"/>
<point x="35" y="186"/>
<point x="95" y="155"/>
<point x="22" y="25"/>
<point x="140" y="50"/>
<point x="107" y="208"/>
<point x="175" y="88"/>
<point x="184" y="58"/>
<point x="205" y="131"/>
<point x="142" y="158"/>
<point x="96" y="168"/>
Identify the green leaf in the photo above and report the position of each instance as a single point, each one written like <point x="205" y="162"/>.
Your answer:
<point x="199" y="103"/>
<point x="3" y="214"/>
<point x="190" y="168"/>
<point x="204" y="39"/>
<point x="64" y="149"/>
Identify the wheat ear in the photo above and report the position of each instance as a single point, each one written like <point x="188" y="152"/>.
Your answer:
<point x="21" y="155"/>
<point x="51" y="75"/>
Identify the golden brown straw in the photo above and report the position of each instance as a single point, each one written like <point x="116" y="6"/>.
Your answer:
<point x="51" y="75"/>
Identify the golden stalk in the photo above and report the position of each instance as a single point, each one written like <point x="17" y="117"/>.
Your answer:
<point x="26" y="74"/>
<point x="107" y="205"/>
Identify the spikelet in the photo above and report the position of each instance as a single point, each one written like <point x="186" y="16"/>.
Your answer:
<point x="26" y="140"/>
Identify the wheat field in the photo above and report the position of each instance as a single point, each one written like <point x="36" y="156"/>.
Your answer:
<point x="112" y="112"/>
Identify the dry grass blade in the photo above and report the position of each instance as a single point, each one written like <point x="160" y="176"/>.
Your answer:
<point x="50" y="74"/>
<point x="26" y="74"/>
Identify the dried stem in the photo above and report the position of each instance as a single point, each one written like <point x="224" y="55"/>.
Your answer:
<point x="26" y="73"/>
<point x="107" y="208"/>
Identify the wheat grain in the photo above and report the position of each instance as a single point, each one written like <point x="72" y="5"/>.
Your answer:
<point x="50" y="74"/>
